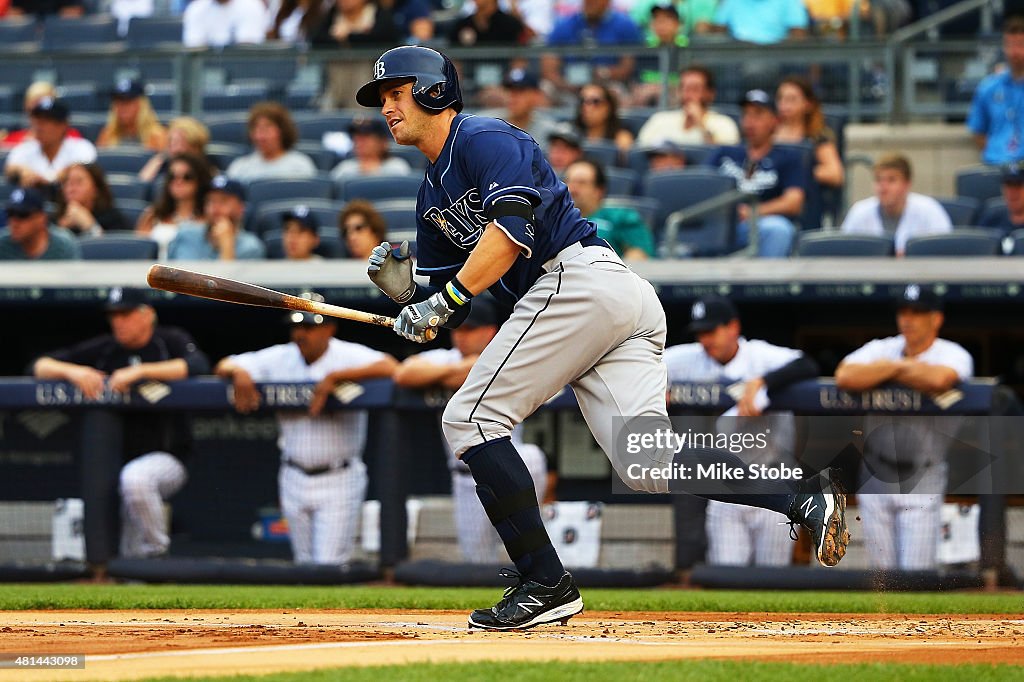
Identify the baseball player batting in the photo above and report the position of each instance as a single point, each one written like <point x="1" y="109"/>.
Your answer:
<point x="492" y="214"/>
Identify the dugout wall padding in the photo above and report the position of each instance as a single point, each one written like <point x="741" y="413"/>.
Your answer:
<point x="239" y="572"/>
<point x="448" y="574"/>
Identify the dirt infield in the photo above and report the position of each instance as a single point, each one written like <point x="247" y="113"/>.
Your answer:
<point x="127" y="645"/>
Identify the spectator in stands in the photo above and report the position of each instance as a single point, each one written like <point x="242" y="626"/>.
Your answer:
<point x="997" y="119"/>
<point x="33" y="94"/>
<point x="597" y="118"/>
<point x="763" y="22"/>
<point x="371" y="155"/>
<point x="126" y="10"/>
<point x="523" y="99"/>
<point x="538" y="16"/>
<point x="801" y="120"/>
<point x="413" y="19"/>
<point x="895" y="211"/>
<point x="665" y="30"/>
<point x="132" y="120"/>
<point x="322" y="480"/>
<point x="85" y="204"/>
<point x="353" y="23"/>
<point x="595" y="25"/>
<point x="831" y="18"/>
<point x="181" y="201"/>
<point x="690" y="16"/>
<point x="273" y="134"/>
<point x="694" y="122"/>
<point x="622" y="227"/>
<point x="564" y="147"/>
<point x="222" y="237"/>
<point x="185" y="135"/>
<point x="69" y="9"/>
<point x="666" y="156"/>
<point x="775" y="175"/>
<point x="219" y="23"/>
<point x="488" y="25"/>
<point x="293" y="21"/>
<point x="1009" y="216"/>
<point x="903" y="468"/>
<point x="300" y="234"/>
<point x="743" y="536"/>
<point x="29" y="236"/>
<point x="41" y="161"/>
<point x="154" y="443"/>
<point x="362" y="228"/>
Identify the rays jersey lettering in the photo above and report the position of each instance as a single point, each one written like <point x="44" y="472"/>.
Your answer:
<point x="463" y="222"/>
<point x="485" y="163"/>
<point x="769" y="177"/>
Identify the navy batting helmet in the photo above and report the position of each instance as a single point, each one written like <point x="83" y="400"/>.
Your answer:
<point x="435" y="83"/>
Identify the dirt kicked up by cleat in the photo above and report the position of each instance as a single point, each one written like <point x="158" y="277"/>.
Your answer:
<point x="820" y="507"/>
<point x="528" y="603"/>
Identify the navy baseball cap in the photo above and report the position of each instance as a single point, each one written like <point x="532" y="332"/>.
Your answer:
<point x="51" y="108"/>
<point x="303" y="216"/>
<point x="1013" y="173"/>
<point x="759" y="98"/>
<point x="128" y="88"/>
<point x="223" y="183"/>
<point x="520" y="79"/>
<point x="24" y="202"/>
<point x="125" y="298"/>
<point x="665" y="6"/>
<point x="482" y="313"/>
<point x="667" y="148"/>
<point x="566" y="133"/>
<point x="369" y="126"/>
<point x="711" y="312"/>
<point x="298" y="317"/>
<point x="920" y="297"/>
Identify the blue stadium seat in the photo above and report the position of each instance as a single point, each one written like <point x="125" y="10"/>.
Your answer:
<point x="82" y="97"/>
<point x="234" y="97"/>
<point x="230" y="128"/>
<point x="313" y="125"/>
<point x="127" y="186"/>
<point x="331" y="244"/>
<point x="378" y="187"/>
<point x="413" y="156"/>
<point x="696" y="155"/>
<point x="93" y="32"/>
<point x="150" y="32"/>
<point x="956" y="243"/>
<point x="18" y="30"/>
<point x="162" y="97"/>
<point x="131" y="209"/>
<point x="298" y="190"/>
<point x="122" y="159"/>
<point x="118" y="248"/>
<point x="1016" y="240"/>
<point x="277" y="70"/>
<point x="223" y="153"/>
<point x="981" y="182"/>
<point x="603" y="152"/>
<point x="267" y="217"/>
<point x="822" y="243"/>
<point x="398" y="214"/>
<point x="634" y="119"/>
<point x="9" y="100"/>
<point x="993" y="210"/>
<point x="962" y="210"/>
<point x="324" y="159"/>
<point x="621" y="181"/>
<point x="647" y="208"/>
<point x="714" y="233"/>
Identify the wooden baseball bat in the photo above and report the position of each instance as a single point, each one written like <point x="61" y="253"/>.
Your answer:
<point x="231" y="291"/>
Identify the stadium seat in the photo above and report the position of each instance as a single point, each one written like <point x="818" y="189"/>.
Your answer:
<point x="234" y="97"/>
<point x="411" y="154"/>
<point x="621" y="181"/>
<point x="18" y="30"/>
<point x="1016" y="242"/>
<point x="826" y="243"/>
<point x="967" y="242"/>
<point x="118" y="248"/>
<point x="993" y="210"/>
<point x="297" y="190"/>
<point x="267" y="217"/>
<point x="276" y="70"/>
<point x="379" y="187"/>
<point x="122" y="159"/>
<point x="396" y="237"/>
<point x="82" y="97"/>
<point x="634" y="119"/>
<point x="679" y="189"/>
<point x="398" y="214"/>
<point x="131" y="209"/>
<point x="603" y="152"/>
<point x="127" y="186"/>
<point x="97" y="32"/>
<point x="230" y="128"/>
<point x="151" y="32"/>
<point x="961" y="210"/>
<point x="696" y="155"/>
<point x="331" y="244"/>
<point x="223" y="153"/>
<point x="647" y="208"/>
<point x="981" y="182"/>
<point x="324" y="159"/>
<point x="312" y="126"/>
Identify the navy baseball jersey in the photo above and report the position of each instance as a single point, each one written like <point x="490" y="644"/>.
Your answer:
<point x="486" y="161"/>
<point x="772" y="175"/>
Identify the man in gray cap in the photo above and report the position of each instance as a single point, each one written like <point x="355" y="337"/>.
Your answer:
<point x="447" y="369"/>
<point x="29" y="235"/>
<point x="322" y="479"/>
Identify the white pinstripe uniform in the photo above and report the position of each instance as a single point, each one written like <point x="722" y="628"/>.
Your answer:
<point x="478" y="541"/>
<point x="739" y="535"/>
<point x="145" y="482"/>
<point x="322" y="510"/>
<point x="901" y="527"/>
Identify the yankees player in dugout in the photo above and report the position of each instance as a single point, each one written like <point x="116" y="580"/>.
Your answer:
<point x="491" y="214"/>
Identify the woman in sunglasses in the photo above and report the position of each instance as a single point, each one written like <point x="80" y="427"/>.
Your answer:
<point x="362" y="228"/>
<point x="181" y="200"/>
<point x="597" y="118"/>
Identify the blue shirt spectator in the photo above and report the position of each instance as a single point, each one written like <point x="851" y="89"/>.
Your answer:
<point x="1009" y="215"/>
<point x="596" y="25"/>
<point x="762" y="21"/>
<point x="222" y="237"/>
<point x="195" y="243"/>
<point x="997" y="112"/>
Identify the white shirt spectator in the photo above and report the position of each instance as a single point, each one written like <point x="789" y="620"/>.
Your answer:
<point x="30" y="154"/>
<point x="922" y="216"/>
<point x="209" y="23"/>
<point x="291" y="164"/>
<point x="393" y="165"/>
<point x="289" y="29"/>
<point x="668" y="126"/>
<point x="538" y="15"/>
<point x="124" y="10"/>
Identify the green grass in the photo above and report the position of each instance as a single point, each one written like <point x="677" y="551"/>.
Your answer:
<point x="698" y="671"/>
<point x="84" y="596"/>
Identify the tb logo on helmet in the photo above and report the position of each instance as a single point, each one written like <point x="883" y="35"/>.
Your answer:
<point x="379" y="69"/>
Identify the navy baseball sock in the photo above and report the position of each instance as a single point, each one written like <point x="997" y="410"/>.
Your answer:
<point x="505" y="488"/>
<point x="774" y="495"/>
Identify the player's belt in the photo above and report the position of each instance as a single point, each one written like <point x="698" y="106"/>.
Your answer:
<point x="592" y="240"/>
<point x="316" y="471"/>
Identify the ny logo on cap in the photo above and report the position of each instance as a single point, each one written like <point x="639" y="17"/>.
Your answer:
<point x="116" y="294"/>
<point x="220" y="181"/>
<point x="124" y="84"/>
<point x="379" y="69"/>
<point x="698" y="312"/>
<point x="18" y="196"/>
<point x="301" y="211"/>
<point x="912" y="293"/>
<point x="45" y="103"/>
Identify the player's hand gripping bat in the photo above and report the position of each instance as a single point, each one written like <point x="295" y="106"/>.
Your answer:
<point x="222" y="289"/>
